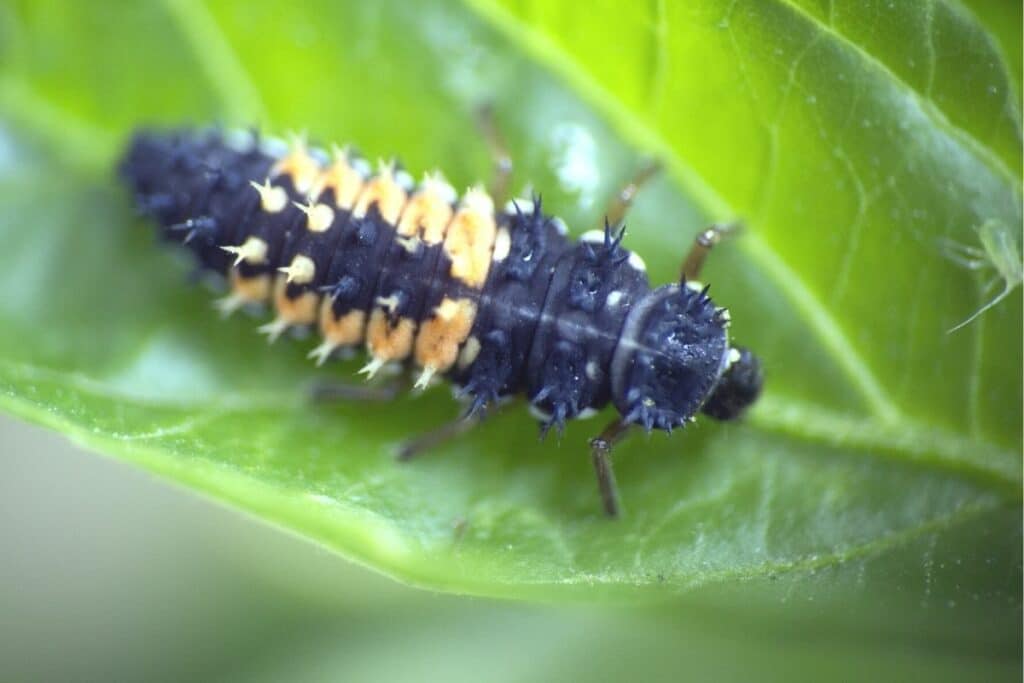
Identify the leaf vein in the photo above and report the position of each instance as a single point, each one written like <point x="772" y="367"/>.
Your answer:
<point x="240" y="97"/>
<point x="965" y="137"/>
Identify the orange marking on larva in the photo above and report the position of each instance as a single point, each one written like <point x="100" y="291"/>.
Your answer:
<point x="387" y="342"/>
<point x="385" y="191"/>
<point x="254" y="289"/>
<point x="441" y="335"/>
<point x="426" y="216"/>
<point x="341" y="177"/>
<point x="344" y="331"/>
<point x="470" y="239"/>
<point x="298" y="311"/>
<point x="302" y="168"/>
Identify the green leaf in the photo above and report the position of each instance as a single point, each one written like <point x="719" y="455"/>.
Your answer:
<point x="883" y="449"/>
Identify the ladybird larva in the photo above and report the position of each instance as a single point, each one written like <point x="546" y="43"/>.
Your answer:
<point x="495" y="298"/>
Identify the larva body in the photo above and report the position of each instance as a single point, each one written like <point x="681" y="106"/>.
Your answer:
<point x="496" y="299"/>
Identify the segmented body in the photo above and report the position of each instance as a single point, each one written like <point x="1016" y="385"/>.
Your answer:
<point x="495" y="298"/>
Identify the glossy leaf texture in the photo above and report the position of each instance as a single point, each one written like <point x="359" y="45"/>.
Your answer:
<point x="884" y="462"/>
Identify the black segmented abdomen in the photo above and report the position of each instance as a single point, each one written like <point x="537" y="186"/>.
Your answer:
<point x="495" y="298"/>
<point x="512" y="300"/>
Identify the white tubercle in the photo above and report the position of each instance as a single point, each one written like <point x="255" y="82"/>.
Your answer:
<point x="435" y="183"/>
<point x="636" y="262"/>
<point x="476" y="199"/>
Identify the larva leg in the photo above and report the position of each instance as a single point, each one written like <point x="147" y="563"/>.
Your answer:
<point x="624" y="198"/>
<point x="601" y="456"/>
<point x="329" y="391"/>
<point x="499" y="154"/>
<point x="419" y="444"/>
<point x="702" y="245"/>
<point x="435" y="437"/>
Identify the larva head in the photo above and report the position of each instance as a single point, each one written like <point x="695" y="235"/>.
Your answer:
<point x="672" y="353"/>
<point x="739" y="386"/>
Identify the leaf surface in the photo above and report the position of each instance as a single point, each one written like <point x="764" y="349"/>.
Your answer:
<point x="884" y="461"/>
